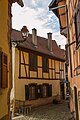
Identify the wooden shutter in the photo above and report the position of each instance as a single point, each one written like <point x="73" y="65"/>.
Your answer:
<point x="50" y="90"/>
<point x="0" y="69"/>
<point x="26" y="92"/>
<point x="45" y="64"/>
<point x="4" y="71"/>
<point x="33" y="62"/>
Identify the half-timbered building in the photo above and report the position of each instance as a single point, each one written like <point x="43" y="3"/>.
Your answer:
<point x="68" y="12"/>
<point x="39" y="69"/>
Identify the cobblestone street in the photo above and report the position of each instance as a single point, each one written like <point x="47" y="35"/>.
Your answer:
<point x="48" y="112"/>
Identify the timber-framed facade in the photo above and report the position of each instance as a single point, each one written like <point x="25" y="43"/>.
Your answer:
<point x="39" y="70"/>
<point x="72" y="24"/>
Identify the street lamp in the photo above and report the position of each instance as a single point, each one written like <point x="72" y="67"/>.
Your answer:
<point x="24" y="34"/>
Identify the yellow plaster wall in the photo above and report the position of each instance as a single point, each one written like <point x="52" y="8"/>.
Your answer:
<point x="5" y="49"/>
<point x="19" y="84"/>
<point x="39" y="61"/>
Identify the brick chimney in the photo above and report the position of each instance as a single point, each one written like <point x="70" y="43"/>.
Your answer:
<point x="34" y="37"/>
<point x="49" y="41"/>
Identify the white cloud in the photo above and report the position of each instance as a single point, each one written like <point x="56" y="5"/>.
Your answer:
<point x="36" y="14"/>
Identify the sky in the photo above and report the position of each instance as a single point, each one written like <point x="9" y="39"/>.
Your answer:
<point x="36" y="14"/>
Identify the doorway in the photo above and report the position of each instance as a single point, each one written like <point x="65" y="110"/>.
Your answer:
<point x="62" y="91"/>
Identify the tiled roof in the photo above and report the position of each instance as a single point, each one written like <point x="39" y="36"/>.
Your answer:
<point x="20" y="2"/>
<point x="42" y="45"/>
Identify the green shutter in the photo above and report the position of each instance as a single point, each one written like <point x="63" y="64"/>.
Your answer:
<point x="50" y="90"/>
<point x="26" y="92"/>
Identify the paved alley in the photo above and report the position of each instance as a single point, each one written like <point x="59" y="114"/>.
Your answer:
<point x="48" y="112"/>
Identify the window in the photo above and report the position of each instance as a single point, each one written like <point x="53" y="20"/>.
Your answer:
<point x="3" y="71"/>
<point x="33" y="62"/>
<point x="34" y="91"/>
<point x="45" y="90"/>
<point x="45" y="64"/>
<point x="30" y="91"/>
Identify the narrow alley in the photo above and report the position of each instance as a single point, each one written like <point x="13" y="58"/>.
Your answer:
<point x="48" y="112"/>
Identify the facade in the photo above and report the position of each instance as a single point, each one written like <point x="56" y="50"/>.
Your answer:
<point x="5" y="58"/>
<point x="39" y="70"/>
<point x="72" y="25"/>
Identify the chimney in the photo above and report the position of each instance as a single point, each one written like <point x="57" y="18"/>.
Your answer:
<point x="34" y="37"/>
<point x="49" y="41"/>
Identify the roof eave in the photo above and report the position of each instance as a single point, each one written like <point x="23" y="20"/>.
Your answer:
<point x="20" y="2"/>
<point x="52" y="5"/>
<point x="52" y="2"/>
<point x="27" y="49"/>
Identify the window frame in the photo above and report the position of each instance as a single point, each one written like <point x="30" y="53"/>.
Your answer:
<point x="39" y="88"/>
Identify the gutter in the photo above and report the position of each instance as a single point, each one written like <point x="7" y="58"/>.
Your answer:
<point x="54" y="8"/>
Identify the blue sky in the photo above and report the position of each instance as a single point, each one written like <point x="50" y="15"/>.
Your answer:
<point x="36" y="14"/>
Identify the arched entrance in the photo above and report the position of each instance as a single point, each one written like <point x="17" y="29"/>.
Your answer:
<point x="76" y="103"/>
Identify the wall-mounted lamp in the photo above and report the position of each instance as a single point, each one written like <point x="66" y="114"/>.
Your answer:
<point x="24" y="34"/>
